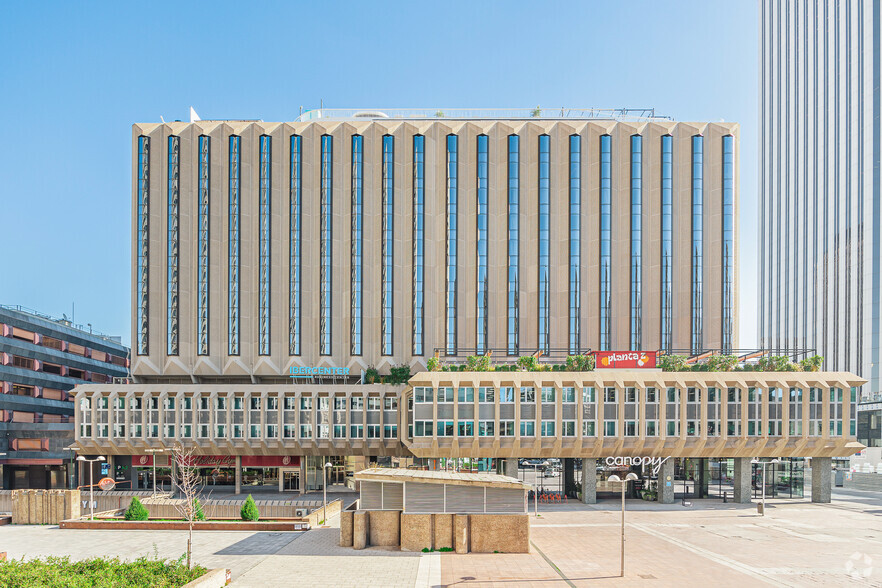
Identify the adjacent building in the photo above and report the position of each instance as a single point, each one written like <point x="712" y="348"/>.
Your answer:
<point x="819" y="170"/>
<point x="41" y="360"/>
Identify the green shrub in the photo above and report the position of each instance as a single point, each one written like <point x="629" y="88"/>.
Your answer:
<point x="812" y="364"/>
<point x="673" y="363"/>
<point x="62" y="572"/>
<point x="398" y="374"/>
<point x="199" y="515"/>
<point x="371" y="375"/>
<point x="432" y="364"/>
<point x="137" y="511"/>
<point x="249" y="510"/>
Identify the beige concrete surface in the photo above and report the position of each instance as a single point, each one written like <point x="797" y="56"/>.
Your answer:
<point x="346" y="519"/>
<point x="416" y="532"/>
<point x="499" y="533"/>
<point x="443" y="531"/>
<point x="384" y="528"/>
<point x="360" y="529"/>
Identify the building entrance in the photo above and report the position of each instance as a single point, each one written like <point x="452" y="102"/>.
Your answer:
<point x="289" y="480"/>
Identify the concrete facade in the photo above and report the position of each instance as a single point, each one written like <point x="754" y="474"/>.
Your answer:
<point x="822" y="474"/>
<point x="589" y="481"/>
<point x="666" y="482"/>
<point x="743" y="490"/>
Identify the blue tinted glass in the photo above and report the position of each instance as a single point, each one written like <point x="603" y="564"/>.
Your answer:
<point x="418" y="240"/>
<point x="202" y="285"/>
<point x="295" y="246"/>
<point x="450" y="303"/>
<point x="388" y="240"/>
<point x="234" y="244"/>
<point x="326" y="243"/>
<point x="636" y="240"/>
<point x="667" y="243"/>
<point x="143" y="242"/>
<point x="481" y="243"/>
<point x="264" y="198"/>
<point x="173" y="245"/>
<point x="357" y="237"/>
<point x="728" y="242"/>
<point x="605" y="239"/>
<point x="544" y="240"/>
<point x="575" y="248"/>
<point x="697" y="240"/>
<point x="513" y="242"/>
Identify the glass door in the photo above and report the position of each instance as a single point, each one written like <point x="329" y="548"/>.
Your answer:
<point x="290" y="480"/>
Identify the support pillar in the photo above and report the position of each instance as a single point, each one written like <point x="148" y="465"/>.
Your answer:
<point x="742" y="481"/>
<point x="821" y="479"/>
<point x="238" y="475"/>
<point x="666" y="482"/>
<point x="589" y="480"/>
<point x="511" y="467"/>
<point x="303" y="474"/>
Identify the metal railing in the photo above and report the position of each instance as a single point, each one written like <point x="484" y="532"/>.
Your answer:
<point x="619" y="114"/>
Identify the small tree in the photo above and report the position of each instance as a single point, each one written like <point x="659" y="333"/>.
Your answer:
<point x="137" y="511"/>
<point x="433" y="365"/>
<point x="185" y="476"/>
<point x="249" y="510"/>
<point x="812" y="364"/>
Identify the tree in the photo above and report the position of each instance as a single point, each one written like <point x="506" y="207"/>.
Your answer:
<point x="185" y="476"/>
<point x="433" y="365"/>
<point x="137" y="511"/>
<point x="812" y="364"/>
<point x="249" y="510"/>
<point x="776" y="363"/>
<point x="673" y="363"/>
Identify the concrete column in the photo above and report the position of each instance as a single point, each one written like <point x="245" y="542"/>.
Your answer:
<point x="303" y="474"/>
<point x="346" y="519"/>
<point x="666" y="482"/>
<point x="360" y="529"/>
<point x="742" y="481"/>
<point x="511" y="467"/>
<point x="589" y="481"/>
<point x="821" y="478"/>
<point x="238" y="475"/>
<point x="461" y="533"/>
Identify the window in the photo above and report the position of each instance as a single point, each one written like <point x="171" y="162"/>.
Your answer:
<point x="254" y="431"/>
<point x="326" y="236"/>
<point x="568" y="428"/>
<point x="667" y="240"/>
<point x="272" y="403"/>
<point x="728" y="242"/>
<point x="306" y="431"/>
<point x="445" y="394"/>
<point x="568" y="395"/>
<point x="339" y="403"/>
<point x="815" y="407"/>
<point x="254" y="403"/>
<point x="651" y="396"/>
<point x="506" y="428"/>
<point x="794" y="427"/>
<point x="631" y="395"/>
<point x="445" y="429"/>
<point x="485" y="428"/>
<point x="588" y="396"/>
<point x="390" y="403"/>
<point x="636" y="241"/>
<point x="588" y="429"/>
<point x="221" y="431"/>
<point x="306" y="403"/>
<point x="466" y="395"/>
<point x="651" y="428"/>
<point x="466" y="428"/>
<point x="506" y="395"/>
<point x="264" y="199"/>
<point x="295" y="244"/>
<point x="203" y="431"/>
<point x="754" y="411"/>
<point x="238" y="403"/>
<point x="323" y="431"/>
<point x="450" y="283"/>
<point x="202" y="284"/>
<point x="528" y="428"/>
<point x="609" y="428"/>
<point x="373" y="403"/>
<point x="605" y="241"/>
<point x="775" y="411"/>
<point x="575" y="253"/>
<point x="630" y="428"/>
<point x="173" y="242"/>
<point x="220" y="403"/>
<point x="544" y="240"/>
<point x="234" y="244"/>
<point x="238" y="431"/>
<point x="390" y="431"/>
<point x="486" y="395"/>
<point x="339" y="431"/>
<point x="548" y="395"/>
<point x="356" y="403"/>
<point x="609" y="395"/>
<point x="419" y="220"/>
<point x="423" y="429"/>
<point x="697" y="240"/>
<point x="547" y="428"/>
<point x="356" y="431"/>
<point x="514" y="216"/>
<point x="482" y="218"/>
<point x="143" y="271"/>
<point x="528" y="394"/>
<point x="388" y="194"/>
<point x="421" y="395"/>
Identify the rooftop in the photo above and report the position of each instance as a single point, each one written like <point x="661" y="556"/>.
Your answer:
<point x="440" y="477"/>
<point x="624" y="114"/>
<point x="64" y="322"/>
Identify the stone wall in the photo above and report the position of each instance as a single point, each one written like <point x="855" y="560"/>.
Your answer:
<point x="44" y="507"/>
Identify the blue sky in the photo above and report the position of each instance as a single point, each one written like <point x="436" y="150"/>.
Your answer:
<point x="75" y="76"/>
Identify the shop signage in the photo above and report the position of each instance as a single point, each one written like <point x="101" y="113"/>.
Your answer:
<point x="654" y="462"/>
<point x="624" y="359"/>
<point x="270" y="461"/>
<point x="106" y="484"/>
<point x="211" y="461"/>
<point x="311" y="372"/>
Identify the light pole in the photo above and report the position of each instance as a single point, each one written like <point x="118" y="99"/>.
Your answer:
<point x="325" y="490"/>
<point x="614" y="478"/>
<point x="536" y="488"/>
<point x="154" y="452"/>
<point x="764" y="464"/>
<point x="91" y="485"/>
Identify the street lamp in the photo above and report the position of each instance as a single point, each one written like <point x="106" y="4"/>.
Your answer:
<point x="91" y="485"/>
<point x="154" y="452"/>
<point x="764" y="464"/>
<point x="629" y="478"/>
<point x="325" y="490"/>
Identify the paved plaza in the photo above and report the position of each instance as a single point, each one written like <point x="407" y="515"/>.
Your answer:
<point x="710" y="543"/>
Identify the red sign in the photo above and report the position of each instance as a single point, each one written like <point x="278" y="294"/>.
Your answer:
<point x="212" y="461"/>
<point x="106" y="483"/>
<point x="624" y="359"/>
<point x="270" y="461"/>
<point x="229" y="461"/>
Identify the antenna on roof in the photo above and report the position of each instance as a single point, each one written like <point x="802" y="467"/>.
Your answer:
<point x="193" y="116"/>
<point x="162" y="119"/>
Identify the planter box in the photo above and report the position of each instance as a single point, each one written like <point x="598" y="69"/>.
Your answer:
<point x="183" y="526"/>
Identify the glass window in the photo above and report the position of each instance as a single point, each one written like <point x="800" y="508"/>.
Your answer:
<point x="339" y="431"/>
<point x="544" y="241"/>
<point x="528" y="428"/>
<point x="452" y="222"/>
<point x="513" y="243"/>
<point x="173" y="244"/>
<point x="390" y="403"/>
<point x="306" y="403"/>
<point x="466" y="395"/>
<point x="636" y="241"/>
<point x="728" y="242"/>
<point x="388" y="242"/>
<point x="234" y="243"/>
<point x="630" y="428"/>
<point x="588" y="395"/>
<point x="419" y="220"/>
<point x="631" y="395"/>
<point x="238" y="431"/>
<point x="143" y="270"/>
<point x="356" y="431"/>
<point x="486" y="395"/>
<point x="486" y="428"/>
<point x="202" y="281"/>
<point x="528" y="394"/>
<point x="356" y="279"/>
<point x="506" y="428"/>
<point x="506" y="395"/>
<point x="575" y="244"/>
<point x="238" y="403"/>
<point x="264" y="198"/>
<point x="295" y="245"/>
<point x="306" y="431"/>
<point x="339" y="403"/>
<point x="547" y="428"/>
<point x="356" y="403"/>
<point x="373" y="403"/>
<point x="220" y="403"/>
<point x="326" y="244"/>
<point x="255" y="403"/>
<point x="609" y="395"/>
<point x="254" y="432"/>
<point x="547" y="394"/>
<point x="568" y="428"/>
<point x="697" y="241"/>
<point x="667" y="240"/>
<point x="445" y="394"/>
<point x="651" y="396"/>
<point x="609" y="428"/>
<point x="390" y="431"/>
<point x="568" y="395"/>
<point x="466" y="428"/>
<point x="588" y="429"/>
<point x="605" y="241"/>
<point x="482" y="218"/>
<point x="651" y="428"/>
<point x="445" y="428"/>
